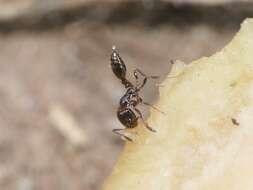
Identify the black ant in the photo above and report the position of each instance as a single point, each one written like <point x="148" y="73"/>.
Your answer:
<point x="127" y="112"/>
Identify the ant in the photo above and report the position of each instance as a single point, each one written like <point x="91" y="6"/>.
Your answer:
<point x="127" y="112"/>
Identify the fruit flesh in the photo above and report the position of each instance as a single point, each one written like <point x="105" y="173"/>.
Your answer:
<point x="197" y="145"/>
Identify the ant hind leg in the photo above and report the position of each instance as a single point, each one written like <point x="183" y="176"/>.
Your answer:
<point x="141" y="117"/>
<point x="155" y="108"/>
<point x="116" y="131"/>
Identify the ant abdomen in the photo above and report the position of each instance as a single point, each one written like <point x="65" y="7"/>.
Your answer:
<point x="127" y="117"/>
<point x="118" y="65"/>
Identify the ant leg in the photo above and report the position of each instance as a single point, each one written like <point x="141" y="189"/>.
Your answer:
<point x="143" y="83"/>
<point x="150" y="105"/>
<point x="136" y="71"/>
<point x="141" y="117"/>
<point x="116" y="131"/>
<point x="155" y="108"/>
<point x="144" y="75"/>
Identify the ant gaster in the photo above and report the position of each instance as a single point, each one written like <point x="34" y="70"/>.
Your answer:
<point x="127" y="112"/>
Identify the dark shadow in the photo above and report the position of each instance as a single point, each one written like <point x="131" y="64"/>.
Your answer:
<point x="223" y="17"/>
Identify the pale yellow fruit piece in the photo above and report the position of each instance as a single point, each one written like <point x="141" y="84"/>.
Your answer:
<point x="197" y="146"/>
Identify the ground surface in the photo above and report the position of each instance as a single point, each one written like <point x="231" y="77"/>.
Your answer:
<point x="68" y="67"/>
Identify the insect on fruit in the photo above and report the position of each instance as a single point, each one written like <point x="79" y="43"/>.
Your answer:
<point x="127" y="112"/>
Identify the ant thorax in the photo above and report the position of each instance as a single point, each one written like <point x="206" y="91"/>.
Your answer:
<point x="130" y="98"/>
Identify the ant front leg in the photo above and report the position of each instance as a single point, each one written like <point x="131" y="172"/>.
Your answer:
<point x="116" y="131"/>
<point x="138" y="71"/>
<point x="141" y="117"/>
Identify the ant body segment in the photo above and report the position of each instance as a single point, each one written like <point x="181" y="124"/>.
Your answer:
<point x="127" y="112"/>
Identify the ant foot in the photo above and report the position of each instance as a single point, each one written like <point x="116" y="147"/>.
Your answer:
<point x="150" y="128"/>
<point x="124" y="137"/>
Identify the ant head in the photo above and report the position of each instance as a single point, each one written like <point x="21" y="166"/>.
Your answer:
<point x="117" y="64"/>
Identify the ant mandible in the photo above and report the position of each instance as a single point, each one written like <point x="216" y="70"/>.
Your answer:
<point x="127" y="112"/>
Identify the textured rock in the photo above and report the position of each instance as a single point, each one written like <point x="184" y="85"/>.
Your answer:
<point x="204" y="141"/>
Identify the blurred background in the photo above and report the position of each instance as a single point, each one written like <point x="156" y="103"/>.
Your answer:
<point x="58" y="96"/>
